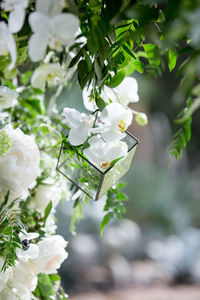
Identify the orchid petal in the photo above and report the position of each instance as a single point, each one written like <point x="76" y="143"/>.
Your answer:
<point x="40" y="23"/>
<point x="37" y="46"/>
<point x="78" y="136"/>
<point x="112" y="135"/>
<point x="11" y="45"/>
<point x="116" y="151"/>
<point x="16" y="19"/>
<point x="89" y="102"/>
<point x="72" y="116"/>
<point x="65" y="26"/>
<point x="49" y="7"/>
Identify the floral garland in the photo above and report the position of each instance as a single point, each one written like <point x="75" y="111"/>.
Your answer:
<point x="36" y="48"/>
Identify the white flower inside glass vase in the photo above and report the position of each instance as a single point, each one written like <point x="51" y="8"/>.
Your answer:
<point x="117" y="118"/>
<point x="101" y="153"/>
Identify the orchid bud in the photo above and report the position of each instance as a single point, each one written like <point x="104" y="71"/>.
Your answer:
<point x="141" y="119"/>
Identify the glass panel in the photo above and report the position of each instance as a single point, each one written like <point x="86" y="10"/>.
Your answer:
<point x="119" y="170"/>
<point x="79" y="171"/>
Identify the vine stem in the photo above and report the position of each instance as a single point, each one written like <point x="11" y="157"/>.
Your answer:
<point x="195" y="105"/>
<point x="53" y="99"/>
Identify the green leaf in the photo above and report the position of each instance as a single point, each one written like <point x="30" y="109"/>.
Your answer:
<point x="117" y="79"/>
<point x="128" y="51"/>
<point x="47" y="211"/>
<point x="172" y="57"/>
<point x="100" y="103"/>
<point x="105" y="221"/>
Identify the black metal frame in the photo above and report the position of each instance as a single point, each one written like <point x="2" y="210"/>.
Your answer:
<point x="102" y="173"/>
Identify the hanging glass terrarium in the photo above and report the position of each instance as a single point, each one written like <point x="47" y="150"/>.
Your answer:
<point x="86" y="175"/>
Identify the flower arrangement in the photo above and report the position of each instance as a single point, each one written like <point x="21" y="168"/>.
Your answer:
<point x="45" y="45"/>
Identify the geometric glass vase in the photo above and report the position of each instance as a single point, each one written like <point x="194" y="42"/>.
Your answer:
<point x="86" y="176"/>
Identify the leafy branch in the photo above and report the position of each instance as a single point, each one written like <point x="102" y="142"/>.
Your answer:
<point x="114" y="206"/>
<point x="10" y="227"/>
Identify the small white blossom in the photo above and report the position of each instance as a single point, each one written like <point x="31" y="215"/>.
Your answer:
<point x="17" y="9"/>
<point x="101" y="154"/>
<point x="7" y="44"/>
<point x="7" y="97"/>
<point x="30" y="250"/>
<point x="56" y="31"/>
<point x="47" y="73"/>
<point x="51" y="254"/>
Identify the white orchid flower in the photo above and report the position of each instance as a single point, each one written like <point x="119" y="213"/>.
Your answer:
<point x="55" y="32"/>
<point x="117" y="118"/>
<point x="17" y="9"/>
<point x="80" y="124"/>
<point x="7" y="44"/>
<point x="29" y="251"/>
<point x="101" y="154"/>
<point x="47" y="73"/>
<point x="126" y="92"/>
<point x="7" y="97"/>
<point x="50" y="7"/>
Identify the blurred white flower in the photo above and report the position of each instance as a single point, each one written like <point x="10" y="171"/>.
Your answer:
<point x="44" y="194"/>
<point x="4" y="276"/>
<point x="56" y="31"/>
<point x="50" y="7"/>
<point x="126" y="92"/>
<point x="7" y="44"/>
<point x="47" y="73"/>
<point x="80" y="124"/>
<point x="19" y="167"/>
<point x="101" y="154"/>
<point x="7" y="97"/>
<point x="30" y="250"/>
<point x="118" y="118"/>
<point x="51" y="254"/>
<point x="22" y="283"/>
<point x="17" y="9"/>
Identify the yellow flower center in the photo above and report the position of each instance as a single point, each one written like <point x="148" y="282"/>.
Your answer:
<point x="49" y="76"/>
<point x="122" y="126"/>
<point x="104" y="164"/>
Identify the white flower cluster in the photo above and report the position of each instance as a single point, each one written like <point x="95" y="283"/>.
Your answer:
<point x="44" y="257"/>
<point x="104" y="136"/>
<point x="51" y="28"/>
<point x="19" y="166"/>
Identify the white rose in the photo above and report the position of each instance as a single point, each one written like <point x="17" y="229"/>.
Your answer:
<point x="4" y="276"/>
<point x="52" y="254"/>
<point x="22" y="283"/>
<point x="45" y="194"/>
<point x="19" y="166"/>
<point x="7" y="97"/>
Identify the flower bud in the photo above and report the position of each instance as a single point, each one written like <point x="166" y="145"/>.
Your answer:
<point x="141" y="119"/>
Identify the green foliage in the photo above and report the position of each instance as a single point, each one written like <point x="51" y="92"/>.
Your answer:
<point x="10" y="227"/>
<point x="48" y="286"/>
<point x="114" y="205"/>
<point x="5" y="142"/>
<point x="180" y="140"/>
